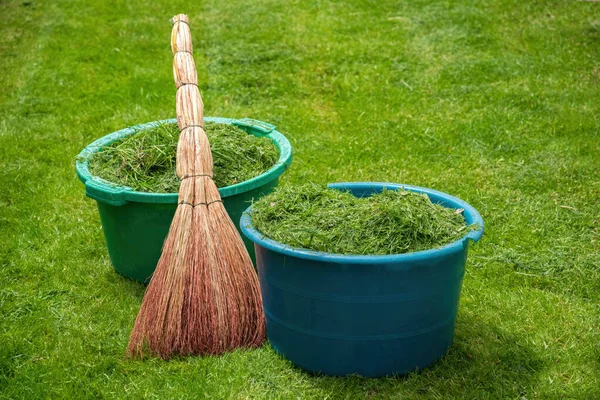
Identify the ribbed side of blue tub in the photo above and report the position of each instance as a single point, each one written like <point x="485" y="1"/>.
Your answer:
<point x="370" y="320"/>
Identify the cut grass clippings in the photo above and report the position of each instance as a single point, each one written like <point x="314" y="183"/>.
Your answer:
<point x="314" y="217"/>
<point x="145" y="161"/>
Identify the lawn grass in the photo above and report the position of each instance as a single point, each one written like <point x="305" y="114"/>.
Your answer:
<point x="494" y="101"/>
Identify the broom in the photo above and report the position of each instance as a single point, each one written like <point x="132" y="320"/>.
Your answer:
<point x="204" y="296"/>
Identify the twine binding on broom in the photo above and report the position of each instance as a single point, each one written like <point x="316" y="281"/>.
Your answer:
<point x="204" y="296"/>
<point x="195" y="175"/>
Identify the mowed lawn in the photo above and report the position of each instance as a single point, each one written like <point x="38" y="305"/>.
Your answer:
<point x="494" y="101"/>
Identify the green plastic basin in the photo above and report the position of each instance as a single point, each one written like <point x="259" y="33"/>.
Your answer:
<point x="135" y="223"/>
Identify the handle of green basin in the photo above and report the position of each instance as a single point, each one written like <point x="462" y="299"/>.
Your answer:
<point x="114" y="196"/>
<point x="262" y="126"/>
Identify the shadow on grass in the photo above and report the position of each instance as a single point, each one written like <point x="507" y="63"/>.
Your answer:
<point x="123" y="284"/>
<point x="483" y="361"/>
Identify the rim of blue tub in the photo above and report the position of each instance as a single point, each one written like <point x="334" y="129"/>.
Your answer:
<point x="118" y="194"/>
<point x="471" y="215"/>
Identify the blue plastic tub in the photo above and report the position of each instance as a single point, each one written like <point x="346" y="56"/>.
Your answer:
<point x="366" y="315"/>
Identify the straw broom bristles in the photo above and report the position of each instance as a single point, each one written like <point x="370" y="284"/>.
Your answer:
<point x="204" y="296"/>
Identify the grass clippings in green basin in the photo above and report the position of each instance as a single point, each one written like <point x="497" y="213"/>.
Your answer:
<point x="146" y="160"/>
<point x="314" y="217"/>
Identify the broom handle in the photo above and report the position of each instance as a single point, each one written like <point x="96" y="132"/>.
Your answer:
<point x="194" y="157"/>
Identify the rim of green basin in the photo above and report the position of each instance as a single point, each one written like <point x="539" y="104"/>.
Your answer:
<point x="472" y="217"/>
<point x="251" y="126"/>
